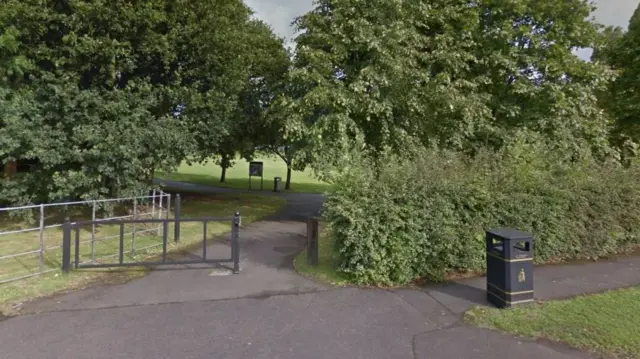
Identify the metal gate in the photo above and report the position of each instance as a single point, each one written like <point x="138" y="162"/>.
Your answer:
<point x="74" y="228"/>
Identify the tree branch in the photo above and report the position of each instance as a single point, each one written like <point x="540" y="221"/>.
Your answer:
<point x="275" y="150"/>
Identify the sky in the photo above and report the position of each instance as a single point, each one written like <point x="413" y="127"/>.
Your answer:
<point x="280" y="13"/>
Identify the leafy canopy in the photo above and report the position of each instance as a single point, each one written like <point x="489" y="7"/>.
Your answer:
<point x="451" y="73"/>
<point x="97" y="95"/>
<point x="621" y="51"/>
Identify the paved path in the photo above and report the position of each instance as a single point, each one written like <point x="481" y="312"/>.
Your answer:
<point x="268" y="311"/>
<point x="300" y="206"/>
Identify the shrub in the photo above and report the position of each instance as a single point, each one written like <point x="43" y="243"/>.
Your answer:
<point x="427" y="216"/>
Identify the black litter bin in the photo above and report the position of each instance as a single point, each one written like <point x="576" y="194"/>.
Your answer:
<point x="277" y="184"/>
<point x="509" y="267"/>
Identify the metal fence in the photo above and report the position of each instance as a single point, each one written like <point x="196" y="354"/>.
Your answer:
<point x="68" y="227"/>
<point x="34" y="247"/>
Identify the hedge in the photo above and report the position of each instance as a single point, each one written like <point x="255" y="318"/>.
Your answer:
<point x="427" y="216"/>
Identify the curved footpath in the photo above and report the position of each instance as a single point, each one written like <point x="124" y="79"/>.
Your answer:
<point x="269" y="311"/>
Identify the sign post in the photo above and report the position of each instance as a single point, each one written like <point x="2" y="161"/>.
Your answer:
<point x="255" y="170"/>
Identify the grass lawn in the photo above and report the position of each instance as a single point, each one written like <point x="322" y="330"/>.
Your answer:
<point x="606" y="323"/>
<point x="147" y="245"/>
<point x="238" y="176"/>
<point x="327" y="261"/>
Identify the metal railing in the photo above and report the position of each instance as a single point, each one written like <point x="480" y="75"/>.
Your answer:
<point x="31" y="250"/>
<point x="69" y="227"/>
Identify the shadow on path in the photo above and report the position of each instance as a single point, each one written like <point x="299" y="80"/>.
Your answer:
<point x="458" y="296"/>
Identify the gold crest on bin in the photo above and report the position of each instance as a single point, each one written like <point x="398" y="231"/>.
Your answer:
<point x="521" y="276"/>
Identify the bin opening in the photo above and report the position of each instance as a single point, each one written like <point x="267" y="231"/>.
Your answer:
<point x="523" y="246"/>
<point x="497" y="245"/>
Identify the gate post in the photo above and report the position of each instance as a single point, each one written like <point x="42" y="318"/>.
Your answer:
<point x="66" y="246"/>
<point x="312" y="241"/>
<point x="176" y="215"/>
<point x="235" y="243"/>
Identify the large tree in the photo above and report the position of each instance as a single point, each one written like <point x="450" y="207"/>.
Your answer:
<point x="261" y="121"/>
<point x="267" y="64"/>
<point x="96" y="95"/>
<point x="451" y="73"/>
<point x="621" y="51"/>
<point x="272" y="134"/>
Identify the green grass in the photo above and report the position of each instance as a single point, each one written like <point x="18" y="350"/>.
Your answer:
<point x="238" y="176"/>
<point x="105" y="240"/>
<point x="326" y="270"/>
<point x="251" y="207"/>
<point x="607" y="323"/>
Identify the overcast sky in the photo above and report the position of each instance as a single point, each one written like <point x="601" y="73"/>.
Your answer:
<point x="280" y="13"/>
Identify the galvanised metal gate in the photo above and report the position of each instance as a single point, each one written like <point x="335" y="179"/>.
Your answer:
<point x="74" y="227"/>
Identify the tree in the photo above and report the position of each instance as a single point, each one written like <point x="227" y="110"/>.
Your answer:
<point x="621" y="99"/>
<point x="87" y="121"/>
<point x="261" y="121"/>
<point x="273" y="138"/>
<point x="97" y="95"/>
<point x="606" y="46"/>
<point x="273" y="133"/>
<point x="454" y="74"/>
<point x="267" y="63"/>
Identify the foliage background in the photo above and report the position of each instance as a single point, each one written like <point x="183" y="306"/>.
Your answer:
<point x="95" y="96"/>
<point x="454" y="74"/>
<point x="426" y="217"/>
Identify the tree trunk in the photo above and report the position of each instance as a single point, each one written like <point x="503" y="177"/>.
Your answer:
<point x="224" y="163"/>
<point x="10" y="169"/>
<point x="287" y="185"/>
<point x="223" y="176"/>
<point x="152" y="175"/>
<point x="378" y="166"/>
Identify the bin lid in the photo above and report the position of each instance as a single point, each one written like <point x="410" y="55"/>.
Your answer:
<point x="510" y="233"/>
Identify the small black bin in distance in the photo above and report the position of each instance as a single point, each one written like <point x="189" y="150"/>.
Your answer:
<point x="277" y="184"/>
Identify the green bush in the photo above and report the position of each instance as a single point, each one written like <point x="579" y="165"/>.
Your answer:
<point x="427" y="216"/>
